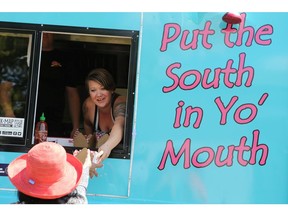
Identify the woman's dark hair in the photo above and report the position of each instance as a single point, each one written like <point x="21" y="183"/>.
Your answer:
<point x="25" y="199"/>
<point x="103" y="77"/>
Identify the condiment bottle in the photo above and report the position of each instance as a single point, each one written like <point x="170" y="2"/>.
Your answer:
<point x="41" y="130"/>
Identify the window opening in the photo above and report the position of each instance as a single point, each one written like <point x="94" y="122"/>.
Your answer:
<point x="86" y="48"/>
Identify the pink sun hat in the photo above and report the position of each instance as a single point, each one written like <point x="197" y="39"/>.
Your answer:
<point x="46" y="171"/>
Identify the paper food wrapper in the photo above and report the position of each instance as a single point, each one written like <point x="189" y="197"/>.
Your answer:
<point x="82" y="155"/>
<point x="81" y="142"/>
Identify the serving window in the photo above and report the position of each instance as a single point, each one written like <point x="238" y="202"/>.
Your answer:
<point x="86" y="48"/>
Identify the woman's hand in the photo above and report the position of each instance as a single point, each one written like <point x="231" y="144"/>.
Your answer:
<point x="106" y="152"/>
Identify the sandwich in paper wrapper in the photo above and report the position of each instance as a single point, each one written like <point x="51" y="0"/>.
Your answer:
<point x="83" y="154"/>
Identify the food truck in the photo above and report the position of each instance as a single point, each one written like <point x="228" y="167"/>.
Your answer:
<point x="206" y="119"/>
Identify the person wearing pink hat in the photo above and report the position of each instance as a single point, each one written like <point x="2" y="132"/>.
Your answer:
<point x="49" y="175"/>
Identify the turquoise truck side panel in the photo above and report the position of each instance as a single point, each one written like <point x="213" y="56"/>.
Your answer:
<point x="210" y="121"/>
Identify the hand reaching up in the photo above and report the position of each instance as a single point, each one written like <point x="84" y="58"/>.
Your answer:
<point x="95" y="163"/>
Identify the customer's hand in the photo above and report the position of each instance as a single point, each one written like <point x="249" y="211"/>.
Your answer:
<point x="88" y="162"/>
<point x="95" y="163"/>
